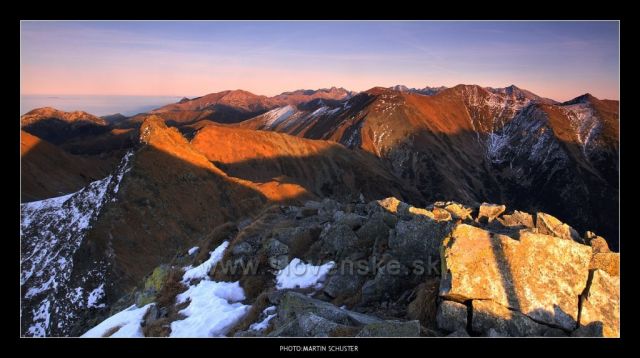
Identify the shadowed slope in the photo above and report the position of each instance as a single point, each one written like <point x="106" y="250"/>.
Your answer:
<point x="48" y="171"/>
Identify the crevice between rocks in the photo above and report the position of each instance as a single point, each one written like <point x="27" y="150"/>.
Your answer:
<point x="582" y="296"/>
<point x="470" y="318"/>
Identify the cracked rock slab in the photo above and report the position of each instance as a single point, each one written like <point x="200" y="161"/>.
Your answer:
<point x="539" y="275"/>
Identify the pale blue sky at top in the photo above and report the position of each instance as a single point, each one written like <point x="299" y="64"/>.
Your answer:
<point x="560" y="60"/>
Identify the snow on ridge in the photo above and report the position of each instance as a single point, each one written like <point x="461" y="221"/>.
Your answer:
<point x="585" y="123"/>
<point x="51" y="231"/>
<point x="276" y="116"/>
<point x="319" y="111"/>
<point x="302" y="275"/>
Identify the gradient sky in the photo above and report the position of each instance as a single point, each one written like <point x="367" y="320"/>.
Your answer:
<point x="560" y="60"/>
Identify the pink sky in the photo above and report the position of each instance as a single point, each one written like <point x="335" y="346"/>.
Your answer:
<point x="115" y="58"/>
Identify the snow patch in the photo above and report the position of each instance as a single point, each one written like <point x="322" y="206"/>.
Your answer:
<point x="585" y="124"/>
<point x="319" y="111"/>
<point x="193" y="250"/>
<point x="262" y="325"/>
<point x="129" y="323"/>
<point x="202" y="271"/>
<point x="95" y="296"/>
<point x="41" y="317"/>
<point x="301" y="275"/>
<point x="213" y="309"/>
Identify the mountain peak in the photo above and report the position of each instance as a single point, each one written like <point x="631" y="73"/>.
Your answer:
<point x="585" y="98"/>
<point x="151" y="127"/>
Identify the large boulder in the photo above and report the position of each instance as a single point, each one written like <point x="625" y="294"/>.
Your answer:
<point x="308" y="324"/>
<point x="436" y="213"/>
<point x="392" y="205"/>
<point x="328" y="207"/>
<point x="274" y="247"/>
<point x="458" y="211"/>
<point x="451" y="316"/>
<point x="601" y="306"/>
<point x="352" y="220"/>
<point x="459" y="333"/>
<point x="336" y="241"/>
<point x="550" y="225"/>
<point x="391" y="329"/>
<point x="418" y="240"/>
<point x="422" y="212"/>
<point x="606" y="261"/>
<point x="539" y="275"/>
<point x="344" y="283"/>
<point x="294" y="304"/>
<point x="489" y="212"/>
<point x="389" y="282"/>
<point x="517" y="219"/>
<point x="373" y="230"/>
<point x="598" y="243"/>
<point x="488" y="314"/>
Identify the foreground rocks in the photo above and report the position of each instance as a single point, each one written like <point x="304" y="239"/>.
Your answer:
<point x="403" y="271"/>
<point x="537" y="275"/>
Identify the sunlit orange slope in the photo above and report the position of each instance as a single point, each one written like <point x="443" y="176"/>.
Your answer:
<point x="323" y="168"/>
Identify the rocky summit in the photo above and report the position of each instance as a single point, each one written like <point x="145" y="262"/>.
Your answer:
<point x="377" y="269"/>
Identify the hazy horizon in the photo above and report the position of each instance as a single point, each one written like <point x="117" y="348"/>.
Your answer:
<point x="98" y="105"/>
<point x="559" y="59"/>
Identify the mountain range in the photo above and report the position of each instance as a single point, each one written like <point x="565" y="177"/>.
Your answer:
<point x="106" y="201"/>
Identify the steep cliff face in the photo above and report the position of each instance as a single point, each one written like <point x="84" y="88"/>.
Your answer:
<point x="56" y="291"/>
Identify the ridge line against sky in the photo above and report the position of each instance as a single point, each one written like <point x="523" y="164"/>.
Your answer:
<point x="556" y="59"/>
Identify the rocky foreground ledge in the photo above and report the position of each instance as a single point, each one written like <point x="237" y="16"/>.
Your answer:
<point x="383" y="268"/>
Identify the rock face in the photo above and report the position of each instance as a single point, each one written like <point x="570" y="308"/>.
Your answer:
<point x="418" y="239"/>
<point x="600" y="313"/>
<point x="549" y="225"/>
<point x="488" y="315"/>
<point x="517" y="274"/>
<point x="302" y="316"/>
<point x="452" y="316"/>
<point x="606" y="261"/>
